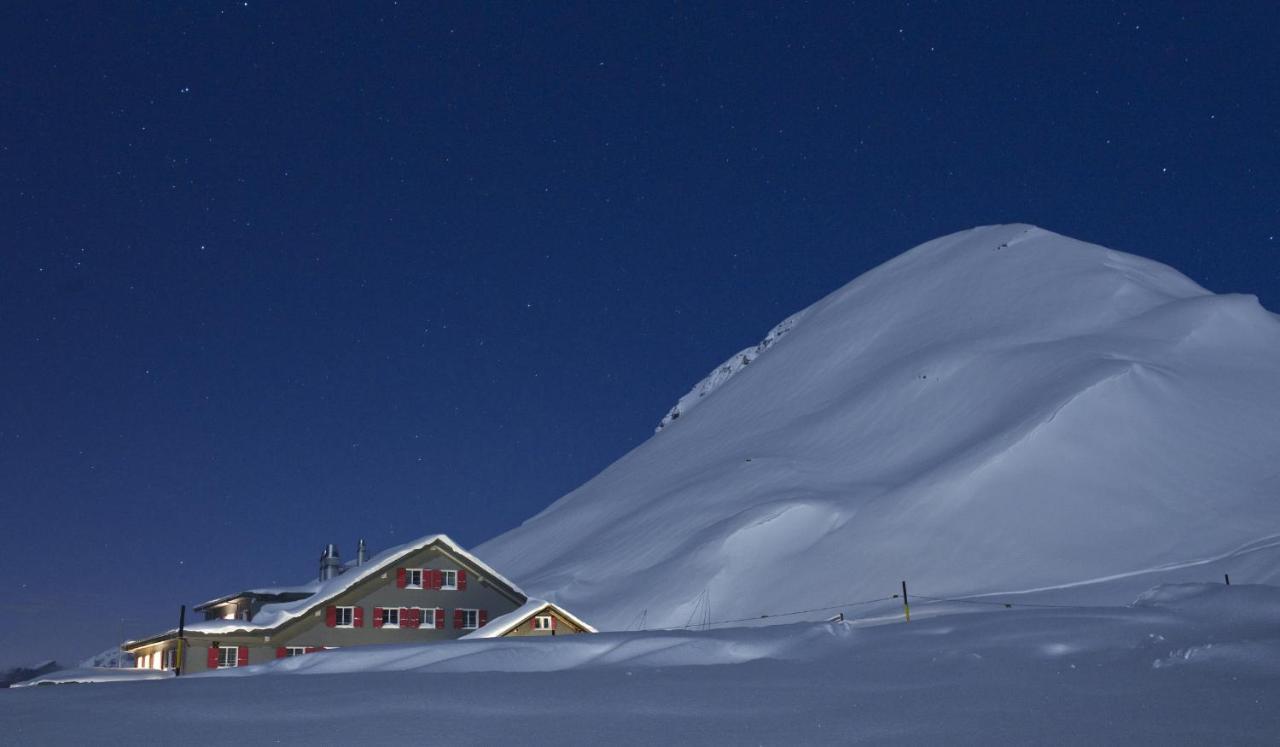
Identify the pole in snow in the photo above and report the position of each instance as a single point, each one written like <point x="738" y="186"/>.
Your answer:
<point x="182" y="624"/>
<point x="906" y="608"/>
<point x="1227" y="576"/>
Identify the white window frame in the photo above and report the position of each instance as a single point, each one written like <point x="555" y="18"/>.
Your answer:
<point x="445" y="583"/>
<point x="350" y="613"/>
<point x="539" y="620"/>
<point x="473" y="615"/>
<point x="222" y="657"/>
<point x="169" y="659"/>
<point x="409" y="575"/>
<point x="427" y="617"/>
<point x="291" y="651"/>
<point x="387" y="611"/>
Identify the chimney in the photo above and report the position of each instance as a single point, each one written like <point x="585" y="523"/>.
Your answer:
<point x="362" y="553"/>
<point x="330" y="565"/>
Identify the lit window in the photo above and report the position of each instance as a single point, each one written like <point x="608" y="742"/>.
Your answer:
<point x="344" y="617"/>
<point x="170" y="659"/>
<point x="448" y="579"/>
<point x="228" y="656"/>
<point x="390" y="617"/>
<point x="470" y="619"/>
<point x="413" y="578"/>
<point x="426" y="617"/>
<point x="542" y="622"/>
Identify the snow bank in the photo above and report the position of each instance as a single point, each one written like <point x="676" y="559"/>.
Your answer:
<point x="89" y="675"/>
<point x="1155" y="673"/>
<point x="1000" y="410"/>
<point x="550" y="654"/>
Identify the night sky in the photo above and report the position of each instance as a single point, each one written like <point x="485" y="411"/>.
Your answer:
<point x="272" y="277"/>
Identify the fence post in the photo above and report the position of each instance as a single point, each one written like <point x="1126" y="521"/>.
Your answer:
<point x="1227" y="576"/>
<point x="906" y="607"/>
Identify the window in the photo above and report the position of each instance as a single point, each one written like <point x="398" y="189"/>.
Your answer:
<point x="170" y="659"/>
<point x="542" y="622"/>
<point x="344" y="617"/>
<point x="448" y="580"/>
<point x="390" y="617"/>
<point x="228" y="656"/>
<point x="469" y="619"/>
<point x="426" y="617"/>
<point x="144" y="662"/>
<point x="413" y="578"/>
<point x="295" y="650"/>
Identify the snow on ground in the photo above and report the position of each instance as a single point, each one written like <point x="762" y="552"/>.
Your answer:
<point x="1188" y="664"/>
<point x="997" y="410"/>
<point x="90" y="675"/>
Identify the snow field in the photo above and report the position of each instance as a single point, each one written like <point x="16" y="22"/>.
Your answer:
<point x="1187" y="664"/>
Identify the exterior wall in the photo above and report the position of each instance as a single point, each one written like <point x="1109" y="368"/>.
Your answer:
<point x="563" y="627"/>
<point x="379" y="590"/>
<point x="382" y="592"/>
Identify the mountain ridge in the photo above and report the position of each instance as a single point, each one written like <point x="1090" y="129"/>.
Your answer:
<point x="992" y="410"/>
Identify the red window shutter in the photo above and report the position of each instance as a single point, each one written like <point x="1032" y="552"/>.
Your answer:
<point x="457" y="619"/>
<point x="377" y="617"/>
<point x="312" y="649"/>
<point x="462" y="580"/>
<point x="406" y="617"/>
<point x="331" y="616"/>
<point x="553" y="622"/>
<point x="400" y="578"/>
<point x="242" y="657"/>
<point x="281" y="652"/>
<point x="213" y="657"/>
<point x="440" y="617"/>
<point x="437" y="580"/>
<point x="484" y="618"/>
<point x="357" y="617"/>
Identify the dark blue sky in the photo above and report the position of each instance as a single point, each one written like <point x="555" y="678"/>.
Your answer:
<point x="278" y="276"/>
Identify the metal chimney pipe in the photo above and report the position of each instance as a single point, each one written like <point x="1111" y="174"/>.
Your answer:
<point x="362" y="553"/>
<point x="330" y="565"/>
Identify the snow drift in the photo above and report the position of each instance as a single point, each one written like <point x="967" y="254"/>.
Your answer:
<point x="1168" y="670"/>
<point x="998" y="410"/>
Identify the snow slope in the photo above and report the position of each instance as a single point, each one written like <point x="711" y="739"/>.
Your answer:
<point x="1190" y="664"/>
<point x="997" y="410"/>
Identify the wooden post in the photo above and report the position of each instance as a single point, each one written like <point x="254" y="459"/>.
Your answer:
<point x="1227" y="576"/>
<point x="906" y="607"/>
<point x="182" y="624"/>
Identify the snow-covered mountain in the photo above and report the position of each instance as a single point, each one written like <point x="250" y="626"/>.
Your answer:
<point x="1001" y="409"/>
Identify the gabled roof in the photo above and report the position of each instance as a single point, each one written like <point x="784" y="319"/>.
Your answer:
<point x="272" y="616"/>
<point x="500" y="626"/>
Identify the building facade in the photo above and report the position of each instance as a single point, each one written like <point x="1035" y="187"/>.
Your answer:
<point x="430" y="590"/>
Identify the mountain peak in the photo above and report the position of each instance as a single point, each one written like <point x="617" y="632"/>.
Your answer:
<point x="999" y="409"/>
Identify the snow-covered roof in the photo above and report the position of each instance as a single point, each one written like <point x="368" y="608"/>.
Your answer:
<point x="274" y="615"/>
<point x="307" y="589"/>
<point x="503" y="624"/>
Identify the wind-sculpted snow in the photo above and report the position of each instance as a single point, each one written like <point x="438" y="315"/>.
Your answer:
<point x="997" y="410"/>
<point x="1166" y="670"/>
